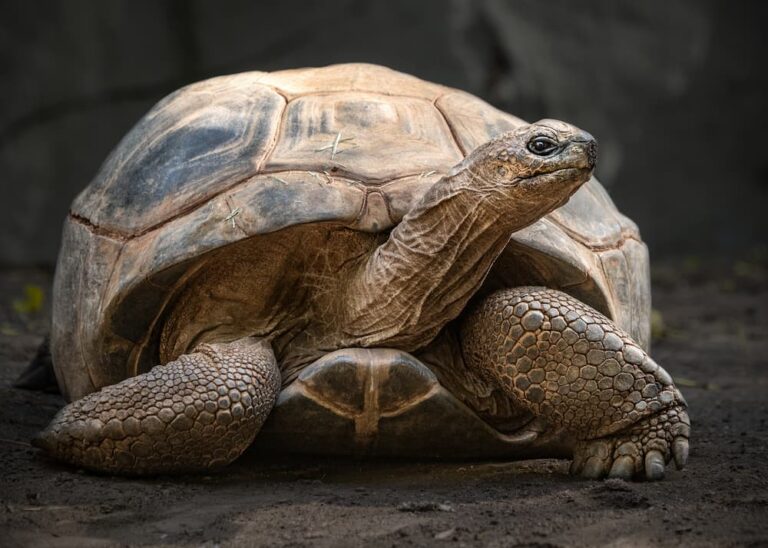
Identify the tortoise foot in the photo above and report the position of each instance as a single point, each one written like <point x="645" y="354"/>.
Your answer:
<point x="640" y="451"/>
<point x="571" y="366"/>
<point x="198" y="412"/>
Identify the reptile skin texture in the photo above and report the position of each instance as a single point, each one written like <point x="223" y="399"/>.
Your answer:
<point x="198" y="412"/>
<point x="569" y="364"/>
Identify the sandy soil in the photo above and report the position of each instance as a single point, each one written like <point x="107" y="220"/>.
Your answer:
<point x="714" y="340"/>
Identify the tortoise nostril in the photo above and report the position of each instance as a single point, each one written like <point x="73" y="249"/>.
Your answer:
<point x="592" y="153"/>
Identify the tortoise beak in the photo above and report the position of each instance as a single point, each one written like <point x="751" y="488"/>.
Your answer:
<point x="589" y="145"/>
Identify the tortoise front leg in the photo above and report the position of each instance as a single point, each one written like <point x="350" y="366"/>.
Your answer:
<point x="197" y="412"/>
<point x="571" y="366"/>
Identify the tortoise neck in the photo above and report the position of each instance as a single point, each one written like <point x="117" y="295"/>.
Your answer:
<point x="432" y="263"/>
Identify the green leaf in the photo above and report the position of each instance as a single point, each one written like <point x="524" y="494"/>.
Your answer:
<point x="32" y="301"/>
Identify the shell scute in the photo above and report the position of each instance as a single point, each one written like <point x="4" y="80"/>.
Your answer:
<point x="365" y="136"/>
<point x="192" y="145"/>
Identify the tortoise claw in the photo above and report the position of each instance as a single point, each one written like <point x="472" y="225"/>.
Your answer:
<point x="592" y="459"/>
<point x="636" y="452"/>
<point x="577" y="464"/>
<point x="680" y="452"/>
<point x="623" y="468"/>
<point x="595" y="468"/>
<point x="654" y="465"/>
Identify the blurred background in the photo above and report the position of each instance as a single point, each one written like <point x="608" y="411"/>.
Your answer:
<point x="675" y="91"/>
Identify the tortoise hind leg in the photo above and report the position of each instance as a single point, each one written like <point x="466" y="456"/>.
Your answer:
<point x="197" y="412"/>
<point x="572" y="367"/>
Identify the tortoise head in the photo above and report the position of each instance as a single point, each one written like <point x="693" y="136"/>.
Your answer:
<point x="534" y="168"/>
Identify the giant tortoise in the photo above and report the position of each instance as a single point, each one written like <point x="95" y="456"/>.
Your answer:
<point x="374" y="265"/>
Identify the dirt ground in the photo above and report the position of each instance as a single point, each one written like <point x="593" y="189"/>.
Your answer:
<point x="711" y="334"/>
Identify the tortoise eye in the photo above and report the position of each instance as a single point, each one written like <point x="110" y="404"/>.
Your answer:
<point x="542" y="146"/>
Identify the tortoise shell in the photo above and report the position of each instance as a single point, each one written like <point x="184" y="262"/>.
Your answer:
<point x="234" y="157"/>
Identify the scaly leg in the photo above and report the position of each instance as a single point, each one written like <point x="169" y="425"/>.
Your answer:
<point x="571" y="366"/>
<point x="197" y="412"/>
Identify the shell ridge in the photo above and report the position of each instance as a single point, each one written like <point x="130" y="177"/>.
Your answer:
<point x="449" y="125"/>
<point x="275" y="136"/>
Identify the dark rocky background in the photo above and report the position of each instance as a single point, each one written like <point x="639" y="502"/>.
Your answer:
<point x="675" y="91"/>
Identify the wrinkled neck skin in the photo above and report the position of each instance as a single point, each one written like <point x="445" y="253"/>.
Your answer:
<point x="434" y="261"/>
